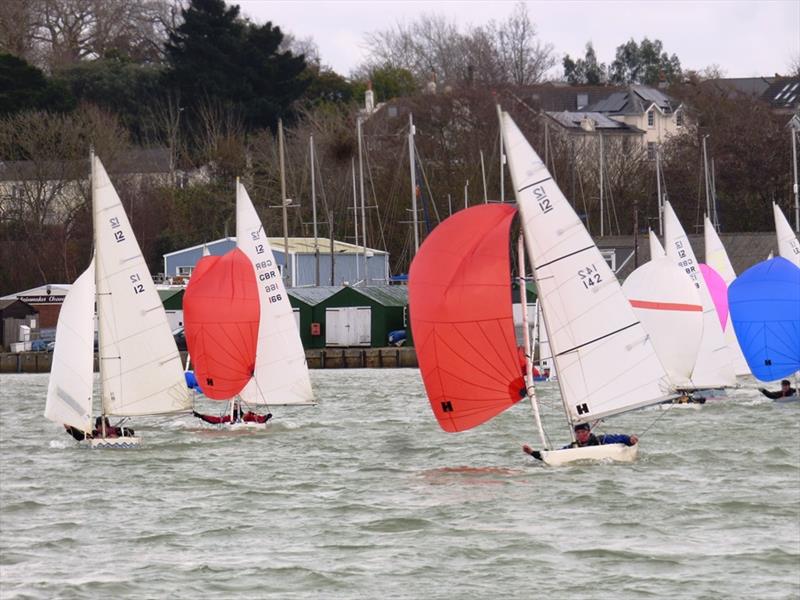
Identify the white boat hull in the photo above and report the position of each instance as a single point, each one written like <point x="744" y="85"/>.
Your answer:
<point x="603" y="452"/>
<point x="118" y="443"/>
<point x="247" y="426"/>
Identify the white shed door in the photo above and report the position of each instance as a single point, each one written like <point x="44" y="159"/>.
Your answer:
<point x="348" y="326"/>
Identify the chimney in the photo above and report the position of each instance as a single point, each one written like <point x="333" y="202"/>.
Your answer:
<point x="369" y="99"/>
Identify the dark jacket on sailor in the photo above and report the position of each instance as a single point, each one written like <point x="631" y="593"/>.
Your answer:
<point x="603" y="438"/>
<point x="779" y="394"/>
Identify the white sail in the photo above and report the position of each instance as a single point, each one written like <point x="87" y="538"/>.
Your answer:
<point x="606" y="362"/>
<point x="714" y="367"/>
<point x="717" y="259"/>
<point x="281" y="374"/>
<point x="665" y="301"/>
<point x="69" y="391"/>
<point x="788" y="245"/>
<point x="656" y="249"/>
<point x="140" y="367"/>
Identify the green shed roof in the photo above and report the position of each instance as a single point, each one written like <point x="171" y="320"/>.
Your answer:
<point x="314" y="295"/>
<point x="386" y="295"/>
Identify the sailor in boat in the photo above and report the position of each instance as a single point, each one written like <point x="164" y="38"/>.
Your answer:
<point x="786" y="391"/>
<point x="98" y="432"/>
<point x="585" y="437"/>
<point x="238" y="416"/>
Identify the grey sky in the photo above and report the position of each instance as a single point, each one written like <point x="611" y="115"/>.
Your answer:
<point x="745" y="38"/>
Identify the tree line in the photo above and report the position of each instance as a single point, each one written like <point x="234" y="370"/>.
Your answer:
<point x="208" y="85"/>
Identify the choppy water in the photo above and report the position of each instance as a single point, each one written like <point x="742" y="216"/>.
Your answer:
<point x="364" y="497"/>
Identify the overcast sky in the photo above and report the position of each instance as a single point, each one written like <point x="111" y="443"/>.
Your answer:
<point x="745" y="38"/>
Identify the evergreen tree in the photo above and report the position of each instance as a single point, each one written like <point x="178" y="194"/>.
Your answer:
<point x="24" y="87"/>
<point x="644" y="63"/>
<point x="584" y="70"/>
<point x="216" y="55"/>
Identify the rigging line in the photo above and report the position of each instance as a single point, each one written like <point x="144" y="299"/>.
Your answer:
<point x="427" y="183"/>
<point x="656" y="420"/>
<point x="530" y="185"/>
<point x="597" y="339"/>
<point x="375" y="200"/>
<point x="555" y="260"/>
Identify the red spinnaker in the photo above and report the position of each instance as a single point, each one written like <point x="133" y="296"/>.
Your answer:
<point x="221" y="312"/>
<point x="460" y="307"/>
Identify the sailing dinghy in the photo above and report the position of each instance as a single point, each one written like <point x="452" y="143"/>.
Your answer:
<point x="460" y="307"/>
<point x="140" y="367"/>
<point x="240" y="327"/>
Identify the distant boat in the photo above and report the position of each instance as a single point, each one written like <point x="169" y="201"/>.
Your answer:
<point x="717" y="259"/>
<point x="240" y="327"/>
<point x="140" y="367"/>
<point x="714" y="368"/>
<point x="460" y="307"/>
<point x="765" y="310"/>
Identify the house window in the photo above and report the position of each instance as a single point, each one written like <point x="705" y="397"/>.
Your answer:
<point x="679" y="118"/>
<point x="185" y="271"/>
<point x="651" y="118"/>
<point x="651" y="150"/>
<point x="583" y="100"/>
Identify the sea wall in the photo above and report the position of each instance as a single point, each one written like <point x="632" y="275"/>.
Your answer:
<point x="322" y="358"/>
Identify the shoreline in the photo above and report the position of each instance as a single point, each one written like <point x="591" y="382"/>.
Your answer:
<point x="402" y="357"/>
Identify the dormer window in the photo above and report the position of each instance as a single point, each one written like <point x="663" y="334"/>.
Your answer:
<point x="651" y="118"/>
<point x="679" y="118"/>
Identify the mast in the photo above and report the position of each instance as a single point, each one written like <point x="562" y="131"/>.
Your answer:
<point x="658" y="192"/>
<point x="714" y="195"/>
<point x="284" y="206"/>
<point x="602" y="218"/>
<point x="483" y="176"/>
<point x="793" y="129"/>
<point x="100" y="333"/>
<point x="466" y="194"/>
<point x="333" y="256"/>
<point x="502" y="155"/>
<point x="526" y="333"/>
<point x="355" y="213"/>
<point x="412" y="164"/>
<point x="314" y="208"/>
<point x="363" y="207"/>
<point x="705" y="173"/>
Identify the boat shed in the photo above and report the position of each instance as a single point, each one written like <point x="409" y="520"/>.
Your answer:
<point x="305" y="300"/>
<point x="364" y="316"/>
<point x="172" y="299"/>
<point x="46" y="300"/>
<point x="340" y="263"/>
<point x="14" y="313"/>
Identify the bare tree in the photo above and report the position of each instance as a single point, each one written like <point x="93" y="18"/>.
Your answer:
<point x="500" y="52"/>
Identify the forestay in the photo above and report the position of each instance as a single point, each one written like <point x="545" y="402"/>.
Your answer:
<point x="281" y="373"/>
<point x="69" y="392"/>
<point x="606" y="362"/>
<point x="717" y="259"/>
<point x="140" y="366"/>
<point x="788" y="245"/>
<point x="713" y="368"/>
<point x="666" y="302"/>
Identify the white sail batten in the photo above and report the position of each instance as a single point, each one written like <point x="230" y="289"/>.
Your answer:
<point x="606" y="362"/>
<point x="666" y="301"/>
<point x="69" y="391"/>
<point x="788" y="245"/>
<point x="656" y="249"/>
<point x="714" y="368"/>
<point x="140" y="367"/>
<point x="281" y="373"/>
<point x="717" y="259"/>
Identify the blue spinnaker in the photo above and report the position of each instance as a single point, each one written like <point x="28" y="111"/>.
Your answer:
<point x="764" y="304"/>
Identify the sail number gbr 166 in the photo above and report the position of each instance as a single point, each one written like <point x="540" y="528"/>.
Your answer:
<point x="266" y="277"/>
